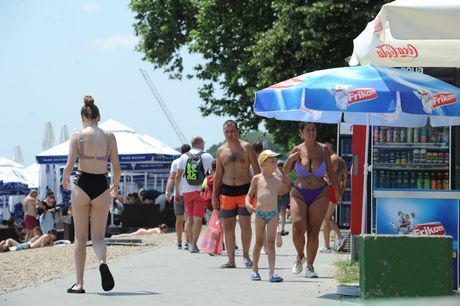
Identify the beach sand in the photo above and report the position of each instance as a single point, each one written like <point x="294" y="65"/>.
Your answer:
<point x="34" y="266"/>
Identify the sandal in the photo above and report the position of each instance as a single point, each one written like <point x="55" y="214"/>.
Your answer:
<point x="255" y="276"/>
<point x="276" y="278"/>
<point x="248" y="262"/>
<point x="71" y="290"/>
<point x="228" y="265"/>
<point x="106" y="277"/>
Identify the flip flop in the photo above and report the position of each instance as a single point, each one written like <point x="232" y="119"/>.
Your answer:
<point x="71" y="290"/>
<point x="255" y="276"/>
<point x="276" y="278"/>
<point x="228" y="265"/>
<point x="248" y="262"/>
<point x="106" y="277"/>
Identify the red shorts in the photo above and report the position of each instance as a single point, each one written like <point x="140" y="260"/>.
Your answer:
<point x="332" y="198"/>
<point x="194" y="204"/>
<point x="30" y="222"/>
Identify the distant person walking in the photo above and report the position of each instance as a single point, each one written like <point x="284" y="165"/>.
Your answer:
<point x="30" y="213"/>
<point x="178" y="206"/>
<point x="91" y="190"/>
<point x="309" y="195"/>
<point x="231" y="184"/>
<point x="193" y="166"/>
<point x="339" y="168"/>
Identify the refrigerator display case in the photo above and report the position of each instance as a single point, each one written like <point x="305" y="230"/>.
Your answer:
<point x="344" y="145"/>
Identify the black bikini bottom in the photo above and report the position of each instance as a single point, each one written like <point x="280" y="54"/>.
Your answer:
<point x="92" y="184"/>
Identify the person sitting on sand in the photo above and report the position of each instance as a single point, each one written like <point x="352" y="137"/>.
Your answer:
<point x="162" y="229"/>
<point x="43" y="241"/>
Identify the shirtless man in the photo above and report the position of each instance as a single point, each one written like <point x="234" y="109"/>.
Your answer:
<point x="43" y="241"/>
<point x="339" y="168"/>
<point x="231" y="184"/>
<point x="30" y="213"/>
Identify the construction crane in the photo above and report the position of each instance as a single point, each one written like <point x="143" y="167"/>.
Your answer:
<point x="163" y="106"/>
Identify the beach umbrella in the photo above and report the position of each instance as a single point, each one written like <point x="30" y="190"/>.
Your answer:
<point x="17" y="155"/>
<point x="411" y="33"/>
<point x="364" y="95"/>
<point x="63" y="134"/>
<point x="47" y="177"/>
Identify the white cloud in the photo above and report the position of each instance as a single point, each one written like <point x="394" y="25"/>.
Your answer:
<point x="90" y="7"/>
<point x="116" y="41"/>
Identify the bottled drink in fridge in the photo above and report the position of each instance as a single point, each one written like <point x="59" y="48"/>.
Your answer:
<point x="412" y="181"/>
<point x="445" y="135"/>
<point x="419" y="180"/>
<point x="439" y="181"/>
<point x="423" y="137"/>
<point x="446" y="181"/>
<point x="402" y="135"/>
<point x="416" y="131"/>
<point x="376" y="134"/>
<point x="395" y="135"/>
<point x="409" y="135"/>
<point x="405" y="179"/>
<point x="432" y="181"/>
<point x="426" y="181"/>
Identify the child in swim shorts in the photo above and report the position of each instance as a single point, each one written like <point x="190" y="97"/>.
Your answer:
<point x="265" y="188"/>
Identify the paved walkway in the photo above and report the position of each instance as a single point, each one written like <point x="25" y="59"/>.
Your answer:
<point x="167" y="276"/>
<point x="170" y="276"/>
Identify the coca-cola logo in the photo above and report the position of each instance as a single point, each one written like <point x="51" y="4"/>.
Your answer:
<point x="378" y="26"/>
<point x="361" y="95"/>
<point x="443" y="98"/>
<point x="428" y="229"/>
<point x="288" y="83"/>
<point x="389" y="51"/>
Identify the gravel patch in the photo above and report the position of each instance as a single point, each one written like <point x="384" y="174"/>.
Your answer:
<point x="35" y="266"/>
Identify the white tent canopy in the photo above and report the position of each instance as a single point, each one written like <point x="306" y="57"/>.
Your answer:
<point x="411" y="33"/>
<point x="139" y="155"/>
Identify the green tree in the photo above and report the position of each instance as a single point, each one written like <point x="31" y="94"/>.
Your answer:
<point x="248" y="45"/>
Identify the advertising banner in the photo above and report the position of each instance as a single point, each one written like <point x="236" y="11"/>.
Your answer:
<point x="416" y="216"/>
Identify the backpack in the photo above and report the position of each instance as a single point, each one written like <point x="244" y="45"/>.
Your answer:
<point x="194" y="170"/>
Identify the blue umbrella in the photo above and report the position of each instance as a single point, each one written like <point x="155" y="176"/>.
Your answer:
<point x="390" y="97"/>
<point x="364" y="95"/>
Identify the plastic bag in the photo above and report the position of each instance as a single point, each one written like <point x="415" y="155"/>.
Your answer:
<point x="212" y="240"/>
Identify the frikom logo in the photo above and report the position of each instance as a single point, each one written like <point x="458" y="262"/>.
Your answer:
<point x="431" y="101"/>
<point x="288" y="83"/>
<point x="345" y="96"/>
<point x="443" y="98"/>
<point x="432" y="228"/>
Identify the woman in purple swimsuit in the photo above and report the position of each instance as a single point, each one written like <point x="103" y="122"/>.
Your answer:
<point x="309" y="197"/>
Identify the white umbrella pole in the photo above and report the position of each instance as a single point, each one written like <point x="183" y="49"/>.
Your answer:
<point x="364" y="208"/>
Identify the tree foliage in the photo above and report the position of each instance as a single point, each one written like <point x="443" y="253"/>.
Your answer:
<point x="248" y="45"/>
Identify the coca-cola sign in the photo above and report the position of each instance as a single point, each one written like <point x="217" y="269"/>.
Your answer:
<point x="288" y="83"/>
<point x="389" y="51"/>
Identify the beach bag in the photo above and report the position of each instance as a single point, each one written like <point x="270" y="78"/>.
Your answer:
<point x="194" y="170"/>
<point x="212" y="241"/>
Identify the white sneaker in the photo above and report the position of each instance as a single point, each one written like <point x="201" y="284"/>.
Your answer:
<point x="311" y="272"/>
<point x="325" y="250"/>
<point x="297" y="268"/>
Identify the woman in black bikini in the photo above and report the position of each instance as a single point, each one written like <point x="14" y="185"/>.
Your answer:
<point x="91" y="191"/>
<point x="309" y="197"/>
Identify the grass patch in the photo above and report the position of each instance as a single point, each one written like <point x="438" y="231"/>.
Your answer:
<point x="347" y="272"/>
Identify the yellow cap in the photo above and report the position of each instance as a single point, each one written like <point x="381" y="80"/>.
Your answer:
<point x="266" y="154"/>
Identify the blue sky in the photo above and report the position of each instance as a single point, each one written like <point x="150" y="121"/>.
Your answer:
<point x="54" y="52"/>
